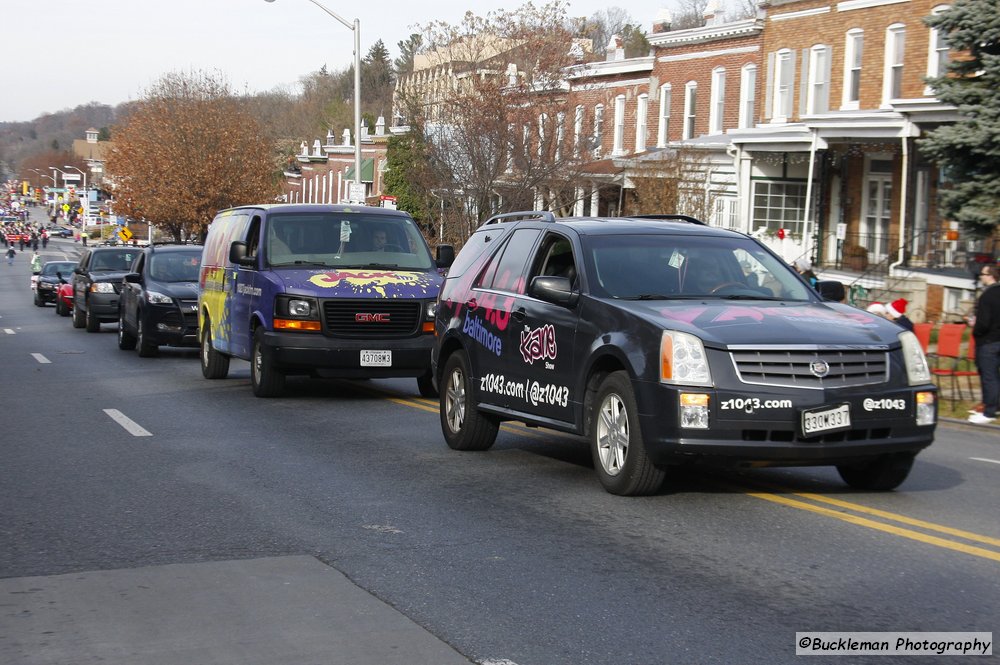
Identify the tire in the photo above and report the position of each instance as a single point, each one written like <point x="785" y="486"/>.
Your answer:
<point x="92" y="322"/>
<point x="214" y="365"/>
<point x="38" y="301"/>
<point x="886" y="472"/>
<point x="146" y="348"/>
<point x="425" y="384"/>
<point x="62" y="309"/>
<point x="265" y="379"/>
<point x="126" y="340"/>
<point x="465" y="427"/>
<point x="79" y="319"/>
<point x="620" y="458"/>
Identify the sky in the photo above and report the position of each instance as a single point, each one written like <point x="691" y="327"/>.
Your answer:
<point x="64" y="53"/>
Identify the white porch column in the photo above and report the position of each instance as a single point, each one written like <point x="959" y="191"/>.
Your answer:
<point x="578" y="201"/>
<point x="595" y="199"/>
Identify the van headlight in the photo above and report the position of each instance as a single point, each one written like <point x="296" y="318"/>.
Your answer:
<point x="683" y="360"/>
<point x="917" y="371"/>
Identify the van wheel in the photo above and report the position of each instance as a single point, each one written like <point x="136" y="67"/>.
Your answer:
<point x="620" y="458"/>
<point x="425" y="384"/>
<point x="146" y="349"/>
<point x="92" y="322"/>
<point x="265" y="379"/>
<point x="886" y="472"/>
<point x="126" y="340"/>
<point x="214" y="365"/>
<point x="464" y="426"/>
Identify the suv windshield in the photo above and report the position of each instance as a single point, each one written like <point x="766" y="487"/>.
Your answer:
<point x="120" y="259"/>
<point x="339" y="240"/>
<point x="689" y="266"/>
<point x="175" y="266"/>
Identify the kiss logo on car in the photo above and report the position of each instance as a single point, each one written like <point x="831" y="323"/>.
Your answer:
<point x="365" y="282"/>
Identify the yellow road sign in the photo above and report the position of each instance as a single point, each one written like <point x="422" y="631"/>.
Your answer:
<point x="124" y="234"/>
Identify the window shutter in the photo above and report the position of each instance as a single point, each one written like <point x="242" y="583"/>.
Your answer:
<point x="769" y="88"/>
<point x="824" y="104"/>
<point x="804" y="87"/>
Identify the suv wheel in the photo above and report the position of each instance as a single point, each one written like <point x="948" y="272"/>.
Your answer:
<point x="425" y="384"/>
<point x="886" y="472"/>
<point x="92" y="322"/>
<point x="78" y="317"/>
<point x="126" y="340"/>
<point x="616" y="443"/>
<point x="62" y="309"/>
<point x="214" y="365"/>
<point x="265" y="379"/>
<point x="146" y="349"/>
<point x="465" y="427"/>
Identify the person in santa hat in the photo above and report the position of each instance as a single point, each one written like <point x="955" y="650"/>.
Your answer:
<point x="896" y="312"/>
<point x="878" y="309"/>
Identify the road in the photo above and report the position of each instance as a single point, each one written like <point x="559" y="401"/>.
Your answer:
<point x="148" y="515"/>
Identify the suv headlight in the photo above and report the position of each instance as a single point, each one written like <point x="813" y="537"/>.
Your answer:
<point x="102" y="287"/>
<point x="158" y="298"/>
<point x="683" y="360"/>
<point x="917" y="371"/>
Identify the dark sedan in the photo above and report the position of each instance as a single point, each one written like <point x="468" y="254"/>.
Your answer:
<point x="49" y="280"/>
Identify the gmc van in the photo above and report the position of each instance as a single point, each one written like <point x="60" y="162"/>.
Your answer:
<point x="321" y="290"/>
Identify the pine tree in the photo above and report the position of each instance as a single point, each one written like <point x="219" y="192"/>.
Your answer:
<point x="968" y="151"/>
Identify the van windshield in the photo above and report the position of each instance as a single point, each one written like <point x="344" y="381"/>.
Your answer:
<point x="345" y="240"/>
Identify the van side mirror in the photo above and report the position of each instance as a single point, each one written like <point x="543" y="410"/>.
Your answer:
<point x="238" y="255"/>
<point x="445" y="256"/>
<point x="558" y="290"/>
<point x="832" y="290"/>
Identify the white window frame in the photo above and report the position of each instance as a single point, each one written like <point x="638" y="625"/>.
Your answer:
<point x="854" y="45"/>
<point x="577" y="130"/>
<point x="560" y="133"/>
<point x="663" y="125"/>
<point x="895" y="60"/>
<point x="641" y="113"/>
<point x="690" y="109"/>
<point x="818" y="89"/>
<point x="784" y="85"/>
<point x="937" y="52"/>
<point x="717" y="101"/>
<point x="618" y="147"/>
<point x="748" y="93"/>
<point x="598" y="130"/>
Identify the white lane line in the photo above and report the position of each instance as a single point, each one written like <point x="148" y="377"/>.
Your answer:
<point x="9" y="331"/>
<point x="132" y="427"/>
<point x="985" y="459"/>
<point x="40" y="358"/>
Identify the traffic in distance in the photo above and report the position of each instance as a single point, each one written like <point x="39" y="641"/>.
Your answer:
<point x="661" y="340"/>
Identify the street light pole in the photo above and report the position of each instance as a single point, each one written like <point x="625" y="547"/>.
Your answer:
<point x="356" y="27"/>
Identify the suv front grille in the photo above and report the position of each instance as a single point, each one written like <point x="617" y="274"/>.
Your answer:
<point x="792" y="368"/>
<point x="372" y="318"/>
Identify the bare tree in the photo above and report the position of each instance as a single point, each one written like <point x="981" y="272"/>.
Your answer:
<point x="187" y="150"/>
<point x="676" y="183"/>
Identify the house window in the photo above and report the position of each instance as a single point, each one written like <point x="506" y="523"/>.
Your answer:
<point x="560" y="133"/>
<point x="818" y="92"/>
<point x="783" y="83"/>
<point x="853" y="47"/>
<point x="748" y="87"/>
<point x="690" y="109"/>
<point x="598" y="130"/>
<point x="937" y="52"/>
<point x="577" y="130"/>
<point x="663" y="128"/>
<point x="892" y="81"/>
<point x="717" y="101"/>
<point x="779" y="205"/>
<point x="641" y="110"/>
<point x="619" y="138"/>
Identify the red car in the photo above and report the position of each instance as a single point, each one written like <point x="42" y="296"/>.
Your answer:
<point x="64" y="299"/>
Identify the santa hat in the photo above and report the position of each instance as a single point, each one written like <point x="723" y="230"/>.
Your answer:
<point x="876" y="308"/>
<point x="896" y="308"/>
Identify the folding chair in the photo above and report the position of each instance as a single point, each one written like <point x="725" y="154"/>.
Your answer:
<point x="923" y="333"/>
<point x="970" y="371"/>
<point x="947" y="353"/>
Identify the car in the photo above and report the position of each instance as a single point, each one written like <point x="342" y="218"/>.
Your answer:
<point x="309" y="289"/>
<point x="53" y="274"/>
<point x="97" y="283"/>
<point x="159" y="299"/>
<point x="62" y="231"/>
<point x="666" y="342"/>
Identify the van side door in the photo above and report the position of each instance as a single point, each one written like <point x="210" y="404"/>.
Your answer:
<point x="246" y="291"/>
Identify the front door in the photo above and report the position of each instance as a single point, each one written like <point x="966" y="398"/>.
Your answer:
<point x="877" y="208"/>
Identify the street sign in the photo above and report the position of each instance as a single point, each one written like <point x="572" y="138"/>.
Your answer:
<point x="357" y="192"/>
<point x="71" y="177"/>
<point x="124" y="234"/>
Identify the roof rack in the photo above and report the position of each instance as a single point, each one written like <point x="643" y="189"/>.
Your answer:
<point x="543" y="215"/>
<point x="671" y="218"/>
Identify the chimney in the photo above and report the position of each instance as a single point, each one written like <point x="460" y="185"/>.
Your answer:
<point x="346" y="136"/>
<point x="380" y="126"/>
<point x="663" y="21"/>
<point x="616" y="48"/>
<point x="714" y="13"/>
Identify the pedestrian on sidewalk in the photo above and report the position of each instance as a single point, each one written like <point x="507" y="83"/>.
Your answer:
<point x="896" y="312"/>
<point x="986" y="334"/>
<point x="11" y="253"/>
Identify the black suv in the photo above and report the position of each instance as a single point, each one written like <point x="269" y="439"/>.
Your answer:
<point x="159" y="299"/>
<point x="666" y="341"/>
<point x="97" y="281"/>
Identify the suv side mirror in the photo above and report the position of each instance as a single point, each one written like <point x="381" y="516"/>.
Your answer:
<point x="831" y="289"/>
<point x="133" y="278"/>
<point x="558" y="290"/>
<point x="445" y="256"/>
<point x="238" y="255"/>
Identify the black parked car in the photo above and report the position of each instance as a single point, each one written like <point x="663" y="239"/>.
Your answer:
<point x="159" y="299"/>
<point x="49" y="280"/>
<point x="666" y="341"/>
<point x="97" y="281"/>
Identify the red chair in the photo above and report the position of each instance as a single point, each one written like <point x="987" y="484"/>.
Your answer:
<point x="947" y="354"/>
<point x="923" y="333"/>
<point x="970" y="370"/>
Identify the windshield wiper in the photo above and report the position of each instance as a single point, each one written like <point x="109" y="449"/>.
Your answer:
<point x="743" y="296"/>
<point x="382" y="265"/>
<point x="317" y="264"/>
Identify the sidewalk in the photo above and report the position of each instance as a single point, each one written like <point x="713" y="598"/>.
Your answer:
<point x="292" y="609"/>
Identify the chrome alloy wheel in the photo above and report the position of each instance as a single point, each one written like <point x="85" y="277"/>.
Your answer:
<point x="455" y="400"/>
<point x="612" y="434"/>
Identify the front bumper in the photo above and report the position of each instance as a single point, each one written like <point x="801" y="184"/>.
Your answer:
<point x="103" y="306"/>
<point x="765" y="427"/>
<point x="333" y="357"/>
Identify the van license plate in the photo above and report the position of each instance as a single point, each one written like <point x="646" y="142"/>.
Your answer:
<point x="376" y="358"/>
<point x="826" y="420"/>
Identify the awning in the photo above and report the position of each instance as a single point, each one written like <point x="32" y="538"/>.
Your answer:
<point x="367" y="170"/>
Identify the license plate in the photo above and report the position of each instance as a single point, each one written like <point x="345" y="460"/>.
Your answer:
<point x="376" y="358"/>
<point x="826" y="420"/>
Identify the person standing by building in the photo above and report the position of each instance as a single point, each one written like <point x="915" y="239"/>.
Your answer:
<point x="986" y="333"/>
<point x="896" y="312"/>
